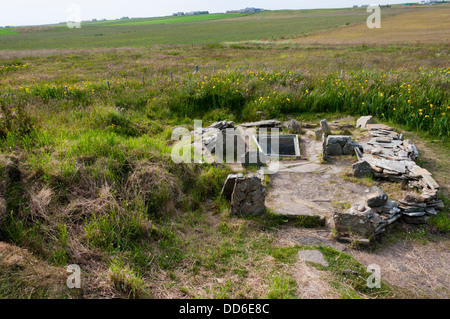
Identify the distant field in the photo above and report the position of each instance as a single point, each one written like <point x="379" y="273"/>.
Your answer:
<point x="166" y="20"/>
<point x="265" y="26"/>
<point x="428" y="25"/>
<point x="6" y="31"/>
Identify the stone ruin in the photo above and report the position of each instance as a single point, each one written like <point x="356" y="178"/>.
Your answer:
<point x="388" y="156"/>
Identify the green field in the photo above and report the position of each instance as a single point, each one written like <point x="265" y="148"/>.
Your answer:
<point x="264" y="26"/>
<point x="6" y="31"/>
<point x="86" y="118"/>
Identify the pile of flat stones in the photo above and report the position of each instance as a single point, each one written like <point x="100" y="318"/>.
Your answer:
<point x="388" y="156"/>
<point x="369" y="217"/>
<point x="208" y="136"/>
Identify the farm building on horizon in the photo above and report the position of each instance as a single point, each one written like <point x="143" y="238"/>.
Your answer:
<point x="192" y="13"/>
<point x="246" y="10"/>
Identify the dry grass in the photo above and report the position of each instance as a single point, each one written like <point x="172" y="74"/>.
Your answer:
<point x="24" y="276"/>
<point x="426" y="26"/>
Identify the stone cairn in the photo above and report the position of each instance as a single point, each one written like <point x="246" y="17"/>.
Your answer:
<point x="369" y="217"/>
<point x="392" y="158"/>
<point x="386" y="156"/>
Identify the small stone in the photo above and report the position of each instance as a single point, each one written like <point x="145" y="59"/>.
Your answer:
<point x="318" y="133"/>
<point x="383" y="140"/>
<point x="376" y="197"/>
<point x="362" y="169"/>
<point x="293" y="126"/>
<point x="268" y="123"/>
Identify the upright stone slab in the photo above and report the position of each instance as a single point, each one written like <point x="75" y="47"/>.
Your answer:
<point x="248" y="198"/>
<point x="228" y="187"/>
<point x="364" y="120"/>
<point x="325" y="128"/>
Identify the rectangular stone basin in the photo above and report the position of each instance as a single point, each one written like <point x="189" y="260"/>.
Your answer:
<point x="288" y="145"/>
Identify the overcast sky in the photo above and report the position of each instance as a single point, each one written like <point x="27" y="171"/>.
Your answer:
<point x="35" y="12"/>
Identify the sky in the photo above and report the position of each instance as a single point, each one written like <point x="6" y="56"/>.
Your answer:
<point x="36" y="12"/>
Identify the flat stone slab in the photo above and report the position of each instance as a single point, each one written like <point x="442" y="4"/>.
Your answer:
<point x="268" y="123"/>
<point x="314" y="256"/>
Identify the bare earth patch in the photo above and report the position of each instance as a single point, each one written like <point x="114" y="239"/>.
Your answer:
<point x="422" y="270"/>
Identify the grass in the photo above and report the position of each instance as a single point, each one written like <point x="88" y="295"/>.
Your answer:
<point x="7" y="31"/>
<point x="181" y="19"/>
<point x="427" y="27"/>
<point x="183" y="30"/>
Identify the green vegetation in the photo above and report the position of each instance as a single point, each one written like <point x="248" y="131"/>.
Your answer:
<point x="441" y="221"/>
<point x="7" y="31"/>
<point x="183" y="30"/>
<point x="181" y="19"/>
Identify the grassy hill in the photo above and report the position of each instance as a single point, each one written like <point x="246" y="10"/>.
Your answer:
<point x="215" y="28"/>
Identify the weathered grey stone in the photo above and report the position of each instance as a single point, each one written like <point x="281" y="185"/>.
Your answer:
<point x="334" y="149"/>
<point x="318" y="133"/>
<point x="376" y="197"/>
<point x="228" y="187"/>
<point x="414" y="214"/>
<point x="314" y="256"/>
<point x="339" y="139"/>
<point x="248" y="197"/>
<point x="222" y="125"/>
<point x="397" y="166"/>
<point x="349" y="148"/>
<point x="268" y="123"/>
<point x="430" y="182"/>
<point x="415" y="220"/>
<point x="379" y="127"/>
<point x="325" y="128"/>
<point x="293" y="126"/>
<point x="362" y="169"/>
<point x="363" y="121"/>
<point x="383" y="140"/>
<point x="358" y="223"/>
<point x="390" y="209"/>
